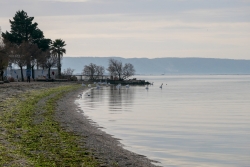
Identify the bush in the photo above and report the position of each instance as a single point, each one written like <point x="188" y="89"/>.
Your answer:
<point x="11" y="79"/>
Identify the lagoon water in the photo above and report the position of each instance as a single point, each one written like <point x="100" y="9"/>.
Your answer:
<point x="201" y="120"/>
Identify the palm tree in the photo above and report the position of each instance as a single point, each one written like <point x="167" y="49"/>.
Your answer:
<point x="57" y="48"/>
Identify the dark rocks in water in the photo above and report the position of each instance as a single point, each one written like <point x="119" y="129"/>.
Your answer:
<point x="124" y="82"/>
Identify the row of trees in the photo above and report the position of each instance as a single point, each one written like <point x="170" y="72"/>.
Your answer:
<point x="115" y="69"/>
<point x="26" y="46"/>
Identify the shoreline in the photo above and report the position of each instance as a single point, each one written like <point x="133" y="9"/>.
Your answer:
<point x="106" y="149"/>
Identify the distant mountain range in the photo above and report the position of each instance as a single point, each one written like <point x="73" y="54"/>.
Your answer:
<point x="159" y="66"/>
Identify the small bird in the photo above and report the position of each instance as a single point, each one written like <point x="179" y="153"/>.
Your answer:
<point x="146" y="87"/>
<point x="88" y="94"/>
<point x="97" y="86"/>
<point x="83" y="84"/>
<point x="127" y="86"/>
<point x="89" y="85"/>
<point x="161" y="86"/>
<point x="80" y="95"/>
<point x="118" y="86"/>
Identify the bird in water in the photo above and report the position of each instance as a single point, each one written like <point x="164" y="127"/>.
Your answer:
<point x="80" y="95"/>
<point x="146" y="87"/>
<point x="161" y="86"/>
<point x="127" y="86"/>
<point x="97" y="86"/>
<point x="118" y="86"/>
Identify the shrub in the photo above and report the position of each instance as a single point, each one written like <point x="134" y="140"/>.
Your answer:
<point x="11" y="79"/>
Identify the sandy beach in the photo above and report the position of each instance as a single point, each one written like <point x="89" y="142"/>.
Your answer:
<point x="106" y="149"/>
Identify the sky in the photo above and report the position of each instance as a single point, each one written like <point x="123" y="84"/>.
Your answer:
<point x="141" y="28"/>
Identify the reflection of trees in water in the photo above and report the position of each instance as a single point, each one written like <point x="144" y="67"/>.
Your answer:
<point x="95" y="99"/>
<point x="117" y="99"/>
<point x="121" y="99"/>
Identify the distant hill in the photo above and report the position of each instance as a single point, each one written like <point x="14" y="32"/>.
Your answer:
<point x="160" y="66"/>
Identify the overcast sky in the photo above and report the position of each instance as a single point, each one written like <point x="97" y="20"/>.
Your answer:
<point x="141" y="28"/>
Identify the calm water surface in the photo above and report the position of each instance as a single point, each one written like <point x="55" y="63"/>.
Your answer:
<point x="192" y="121"/>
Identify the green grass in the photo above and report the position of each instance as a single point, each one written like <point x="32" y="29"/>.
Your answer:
<point x="28" y="143"/>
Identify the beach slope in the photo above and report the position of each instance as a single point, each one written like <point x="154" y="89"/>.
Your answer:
<point x="91" y="146"/>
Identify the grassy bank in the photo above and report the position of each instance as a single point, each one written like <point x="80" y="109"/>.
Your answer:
<point x="29" y="136"/>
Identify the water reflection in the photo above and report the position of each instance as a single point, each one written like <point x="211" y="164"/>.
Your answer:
<point x="191" y="121"/>
<point x="121" y="99"/>
<point x="117" y="100"/>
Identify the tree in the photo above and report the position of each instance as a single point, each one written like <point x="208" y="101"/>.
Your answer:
<point x="116" y="69"/>
<point x="93" y="71"/>
<point x="89" y="70"/>
<point x="48" y="60"/>
<point x="100" y="70"/>
<point x="128" y="70"/>
<point x="57" y="48"/>
<point x="3" y="57"/>
<point x="24" y="30"/>
<point x="22" y="54"/>
<point x="33" y="55"/>
<point x="68" y="71"/>
<point x="3" y="62"/>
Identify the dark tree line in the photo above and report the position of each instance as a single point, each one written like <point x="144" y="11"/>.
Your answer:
<point x="26" y="46"/>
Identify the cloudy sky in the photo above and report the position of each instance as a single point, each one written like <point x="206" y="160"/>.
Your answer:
<point x="141" y="28"/>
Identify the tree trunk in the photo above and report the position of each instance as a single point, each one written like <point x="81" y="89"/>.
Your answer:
<point x="1" y="73"/>
<point x="59" y="66"/>
<point x="33" y="72"/>
<point x="22" y="73"/>
<point x="49" y="72"/>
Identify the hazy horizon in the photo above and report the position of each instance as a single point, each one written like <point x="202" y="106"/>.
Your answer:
<point x="166" y="65"/>
<point x="151" y="58"/>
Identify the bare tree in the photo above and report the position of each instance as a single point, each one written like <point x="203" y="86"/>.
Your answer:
<point x="34" y="53"/>
<point x="116" y="69"/>
<point x="68" y="71"/>
<point x="89" y="70"/>
<point x="93" y="71"/>
<point x="128" y="70"/>
<point x="48" y="60"/>
<point x="22" y="54"/>
<point x="17" y="56"/>
<point x="100" y="70"/>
